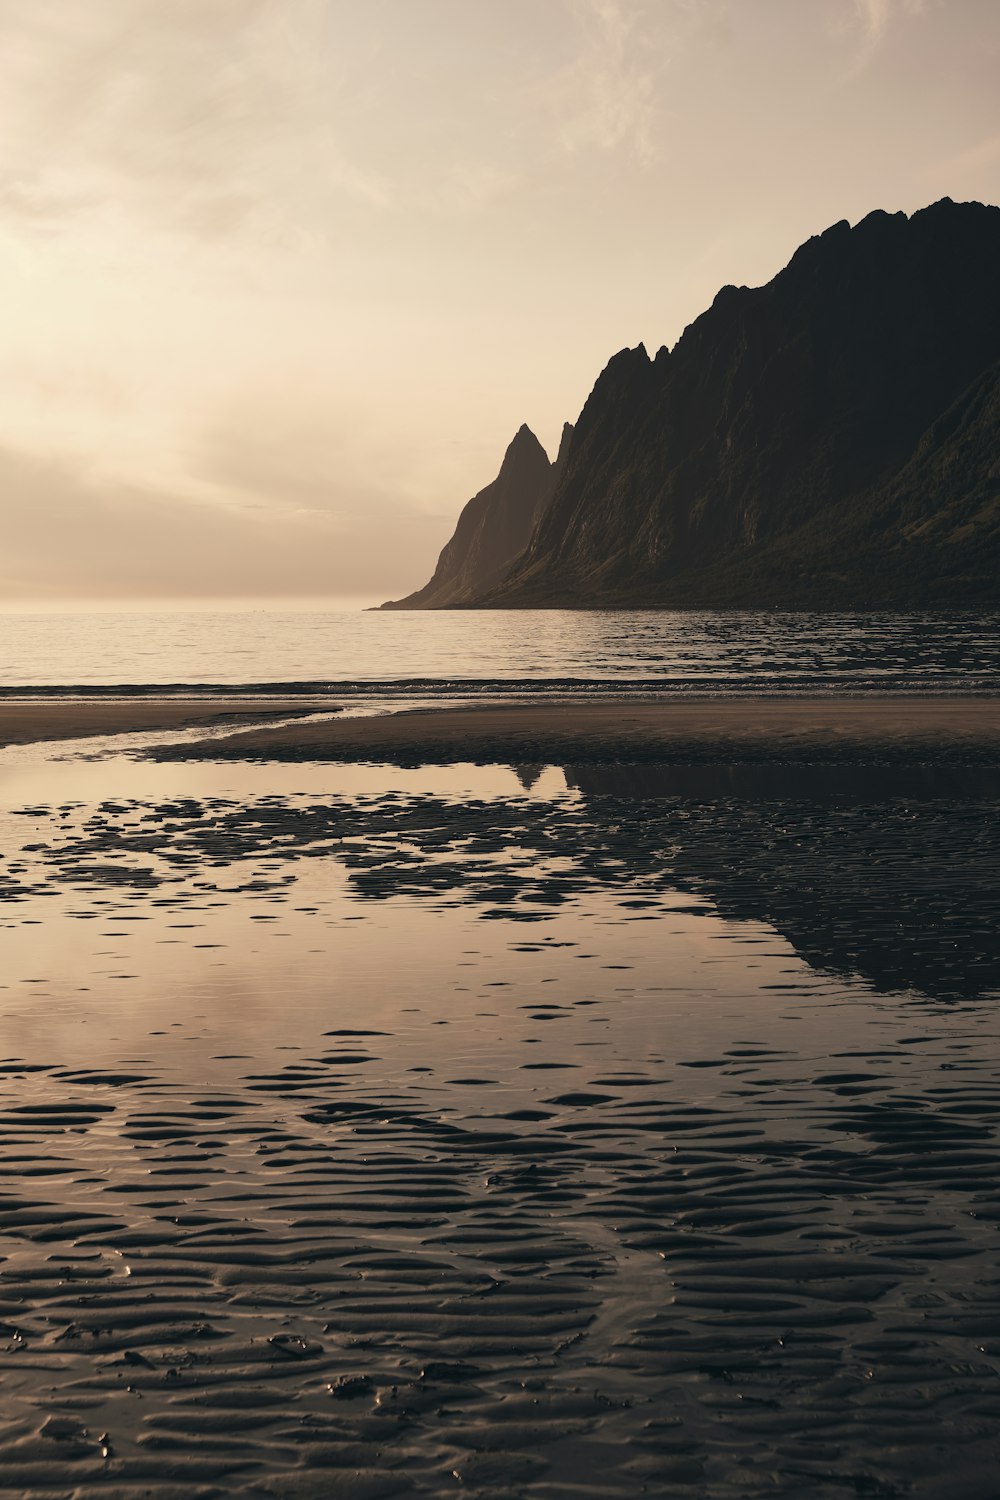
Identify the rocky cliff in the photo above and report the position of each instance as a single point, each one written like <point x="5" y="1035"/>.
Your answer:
<point x="829" y="439"/>
<point x="494" y="528"/>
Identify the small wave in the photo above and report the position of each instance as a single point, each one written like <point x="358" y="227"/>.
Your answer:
<point x="709" y="685"/>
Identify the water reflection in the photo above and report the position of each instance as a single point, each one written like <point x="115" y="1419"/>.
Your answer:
<point x="888" y="874"/>
<point x="447" y="1125"/>
<point x="801" y="781"/>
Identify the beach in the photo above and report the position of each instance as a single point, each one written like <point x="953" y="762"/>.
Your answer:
<point x="549" y="1126"/>
<point x="630" y="731"/>
<point x="434" y="1080"/>
<point x="26" y="721"/>
<point x="636" y="731"/>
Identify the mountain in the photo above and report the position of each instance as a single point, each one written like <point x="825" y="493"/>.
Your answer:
<point x="831" y="439"/>
<point x="495" y="526"/>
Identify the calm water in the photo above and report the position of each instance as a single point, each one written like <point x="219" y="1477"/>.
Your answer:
<point x="549" y="651"/>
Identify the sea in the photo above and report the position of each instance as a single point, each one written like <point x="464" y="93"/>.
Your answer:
<point x="468" y="653"/>
<point x="560" y="1132"/>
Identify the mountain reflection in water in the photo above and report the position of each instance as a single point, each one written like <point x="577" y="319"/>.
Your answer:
<point x="887" y="874"/>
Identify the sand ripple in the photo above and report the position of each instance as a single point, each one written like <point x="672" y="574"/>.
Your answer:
<point x="597" y="1257"/>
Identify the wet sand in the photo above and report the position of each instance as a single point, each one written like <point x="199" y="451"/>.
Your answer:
<point x="684" y="730"/>
<point x="639" y="1139"/>
<point x="679" y="730"/>
<point x="23" y="721"/>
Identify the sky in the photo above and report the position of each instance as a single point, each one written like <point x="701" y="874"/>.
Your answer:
<point x="282" y="278"/>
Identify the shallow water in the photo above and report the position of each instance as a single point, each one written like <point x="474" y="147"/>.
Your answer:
<point x="432" y="652"/>
<point x="525" y="1131"/>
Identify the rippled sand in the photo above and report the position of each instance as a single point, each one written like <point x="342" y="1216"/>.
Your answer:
<point x="559" y="1137"/>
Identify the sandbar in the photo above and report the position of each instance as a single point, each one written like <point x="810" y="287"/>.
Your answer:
<point x="25" y="721"/>
<point x="634" y="731"/>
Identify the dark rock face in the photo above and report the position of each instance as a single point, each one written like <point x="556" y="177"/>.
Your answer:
<point x="831" y="439"/>
<point x="494" y="528"/>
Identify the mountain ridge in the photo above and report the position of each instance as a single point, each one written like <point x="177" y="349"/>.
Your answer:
<point x="788" y="411"/>
<point x="494" y="526"/>
<point x="828" y="439"/>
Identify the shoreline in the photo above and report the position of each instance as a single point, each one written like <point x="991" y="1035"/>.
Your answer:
<point x="684" y="729"/>
<point x="637" y="732"/>
<point x="34" y="721"/>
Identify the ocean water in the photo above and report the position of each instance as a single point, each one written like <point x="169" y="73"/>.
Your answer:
<point x="457" y="653"/>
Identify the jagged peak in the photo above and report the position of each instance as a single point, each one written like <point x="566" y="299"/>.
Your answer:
<point x="564" y="442"/>
<point x="524" y="438"/>
<point x="625" y="366"/>
<point x="727" y="293"/>
<point x="878" y="217"/>
<point x="626" y="361"/>
<point x="966" y="207"/>
<point x="523" y="447"/>
<point x="808" y="250"/>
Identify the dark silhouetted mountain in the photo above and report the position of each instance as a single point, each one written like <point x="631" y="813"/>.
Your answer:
<point x="495" y="526"/>
<point x="831" y="439"/>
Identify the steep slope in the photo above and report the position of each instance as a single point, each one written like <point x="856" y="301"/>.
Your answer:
<point x="562" y="457"/>
<point x="494" y="527"/>
<point x="804" y="442"/>
<point x="929" y="537"/>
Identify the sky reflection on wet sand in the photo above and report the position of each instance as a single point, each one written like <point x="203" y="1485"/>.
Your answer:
<point x="613" y="1132"/>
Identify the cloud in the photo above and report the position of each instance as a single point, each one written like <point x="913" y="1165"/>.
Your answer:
<point x="606" y="97"/>
<point x="292" y="120"/>
<point x="24" y="201"/>
<point x="209" y="115"/>
<point x="875" y="17"/>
